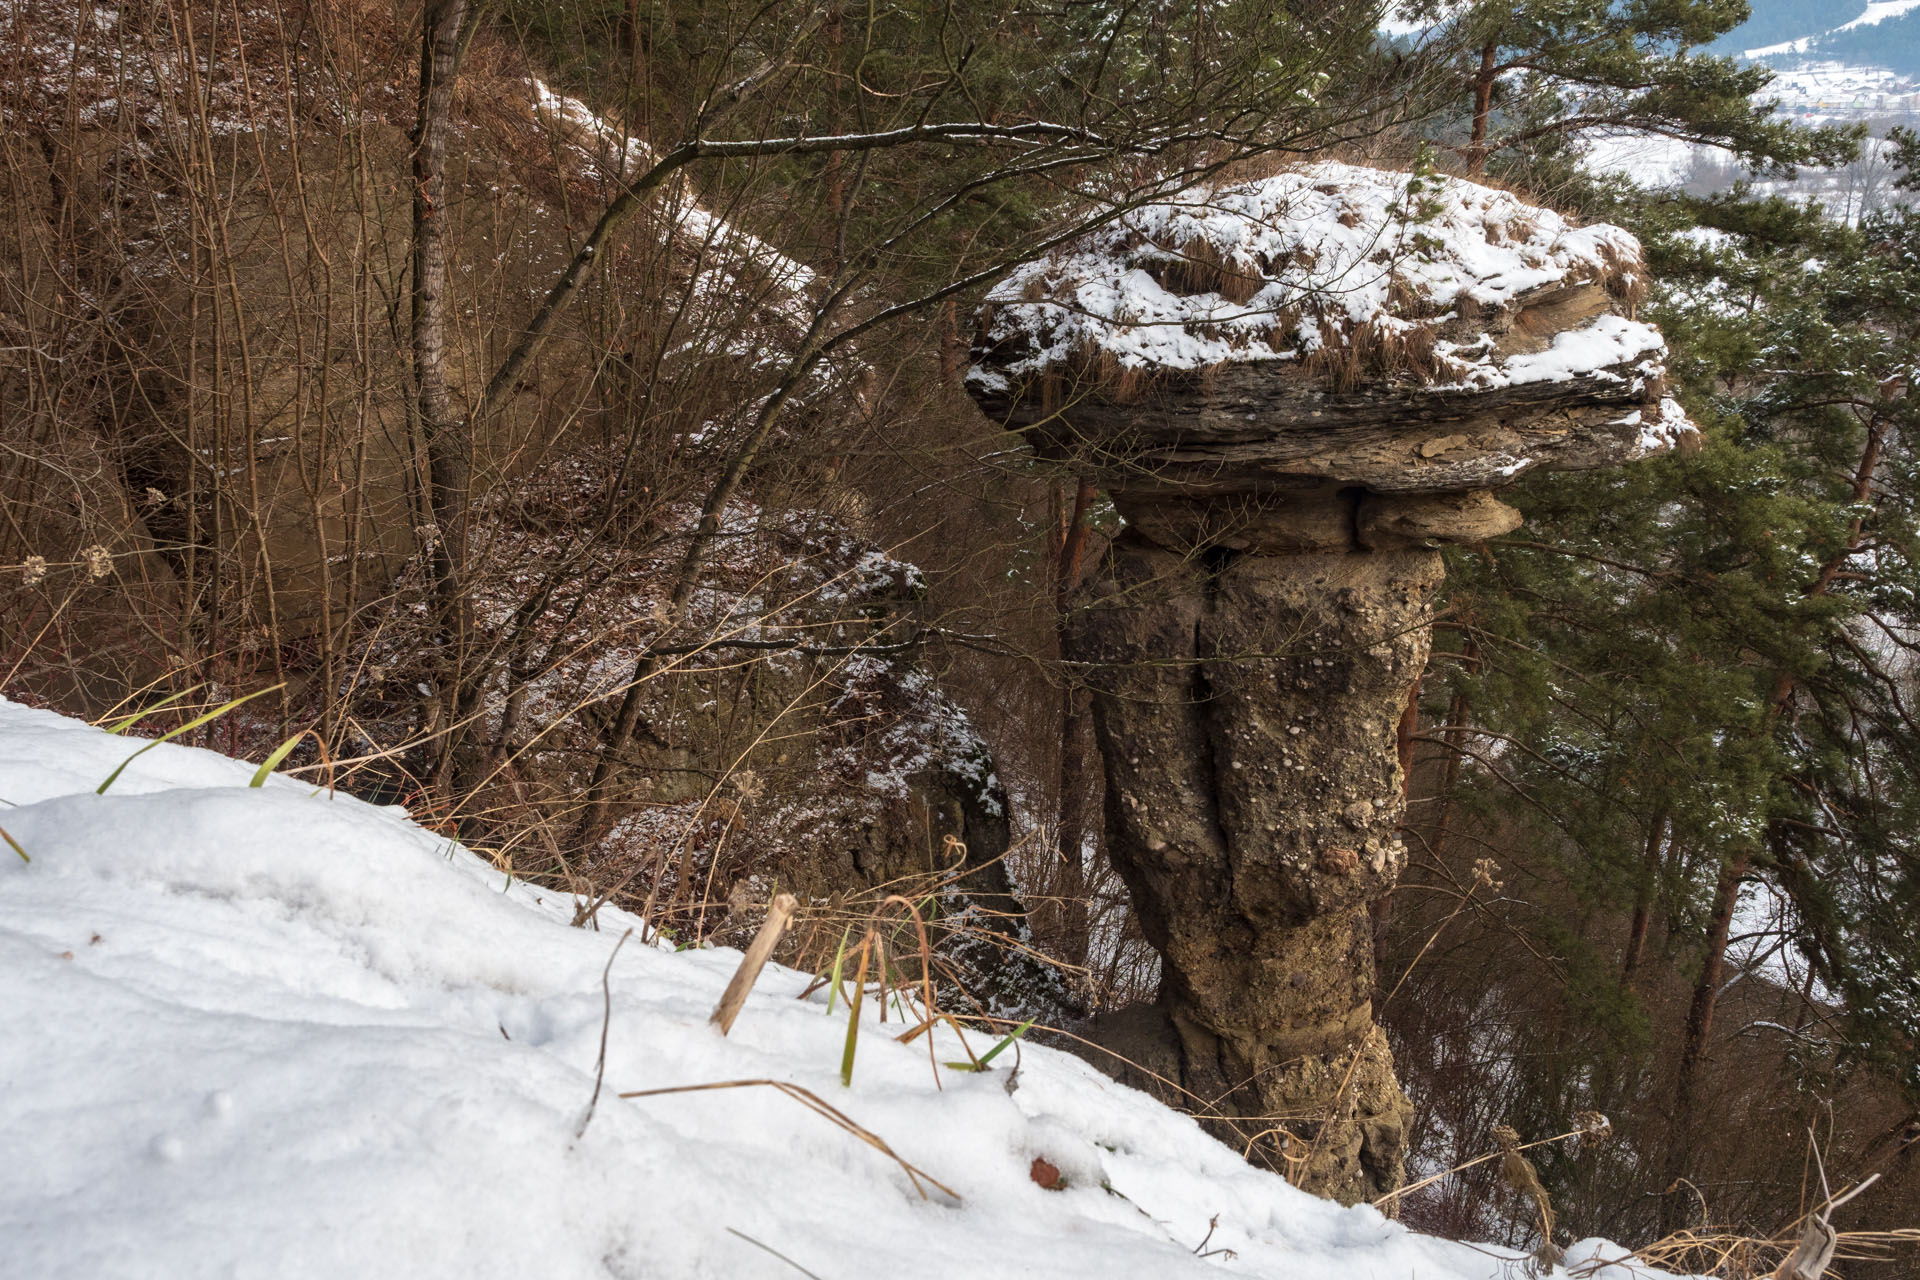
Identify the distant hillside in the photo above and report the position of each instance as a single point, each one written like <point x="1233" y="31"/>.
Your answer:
<point x="1829" y="33"/>
<point x="1893" y="43"/>
<point x="1777" y="21"/>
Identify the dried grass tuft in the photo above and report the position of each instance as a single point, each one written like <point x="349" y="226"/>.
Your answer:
<point x="919" y="939"/>
<point x="1093" y="370"/>
<point x="1623" y="277"/>
<point x="1286" y="329"/>
<point x="1733" y="1255"/>
<point x="1519" y="1174"/>
<point x="1378" y="349"/>
<point x="1197" y="267"/>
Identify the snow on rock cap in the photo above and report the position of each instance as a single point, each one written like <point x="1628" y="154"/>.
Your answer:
<point x="1284" y="267"/>
<point x="1250" y="319"/>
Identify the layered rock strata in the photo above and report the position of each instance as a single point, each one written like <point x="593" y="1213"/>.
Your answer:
<point x="1295" y="390"/>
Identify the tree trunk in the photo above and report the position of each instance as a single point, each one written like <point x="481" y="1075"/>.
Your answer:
<point x="1074" y="910"/>
<point x="1699" y="1028"/>
<point x="1482" y="109"/>
<point x="952" y="352"/>
<point x="1070" y="826"/>
<point x="1643" y="899"/>
<point x="444" y="436"/>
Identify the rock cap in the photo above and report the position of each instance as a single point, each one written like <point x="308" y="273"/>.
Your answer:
<point x="1331" y="324"/>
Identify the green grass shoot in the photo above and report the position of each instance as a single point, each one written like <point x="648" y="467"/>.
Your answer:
<point x="14" y="845"/>
<point x="839" y="959"/>
<point x="272" y="762"/>
<point x="127" y="722"/>
<point x="994" y="1052"/>
<point x="853" y="1014"/>
<point x="195" y="723"/>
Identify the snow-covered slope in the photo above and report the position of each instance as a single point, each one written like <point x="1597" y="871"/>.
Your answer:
<point x="1841" y="41"/>
<point x="272" y="1032"/>
<point x="1876" y="12"/>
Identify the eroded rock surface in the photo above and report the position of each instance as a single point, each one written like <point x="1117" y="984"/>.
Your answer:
<point x="1295" y="390"/>
<point x="1243" y="699"/>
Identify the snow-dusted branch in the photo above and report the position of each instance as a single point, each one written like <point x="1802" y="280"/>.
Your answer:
<point x="635" y="193"/>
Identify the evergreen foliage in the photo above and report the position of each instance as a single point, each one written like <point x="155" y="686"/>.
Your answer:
<point x="1697" y="676"/>
<point x="1532" y="77"/>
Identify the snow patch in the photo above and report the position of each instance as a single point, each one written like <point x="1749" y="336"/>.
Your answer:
<point x="1281" y="267"/>
<point x="617" y="154"/>
<point x="1592" y="350"/>
<point x="277" y="1032"/>
<point x="1645" y="159"/>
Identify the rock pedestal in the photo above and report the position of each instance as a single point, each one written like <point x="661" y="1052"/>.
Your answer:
<point x="1243" y="702"/>
<point x="1295" y="390"/>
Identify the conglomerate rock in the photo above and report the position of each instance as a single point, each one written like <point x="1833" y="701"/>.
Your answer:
<point x="1295" y="389"/>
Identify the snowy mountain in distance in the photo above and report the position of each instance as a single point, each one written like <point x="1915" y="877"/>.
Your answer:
<point x="1851" y="41"/>
<point x="1882" y="34"/>
<point x="1834" y="62"/>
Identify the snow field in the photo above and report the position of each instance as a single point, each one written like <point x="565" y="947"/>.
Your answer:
<point x="277" y="1033"/>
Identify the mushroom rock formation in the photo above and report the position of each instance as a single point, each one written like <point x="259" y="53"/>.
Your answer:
<point x="1296" y="389"/>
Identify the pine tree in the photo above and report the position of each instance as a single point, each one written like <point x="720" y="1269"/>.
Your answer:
<point x="1697" y="677"/>
<point x="1529" y="78"/>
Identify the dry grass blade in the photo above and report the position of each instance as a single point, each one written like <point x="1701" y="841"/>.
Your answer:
<point x="1193" y="1104"/>
<point x="973" y="1063"/>
<point x="1702" y="1252"/>
<point x="1444" y="1174"/>
<point x="775" y="1252"/>
<point x="926" y="971"/>
<point x="1730" y="1253"/>
<point x="1875" y="1246"/>
<point x="817" y="1104"/>
<point x="779" y="916"/>
<point x="606" y="1022"/>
